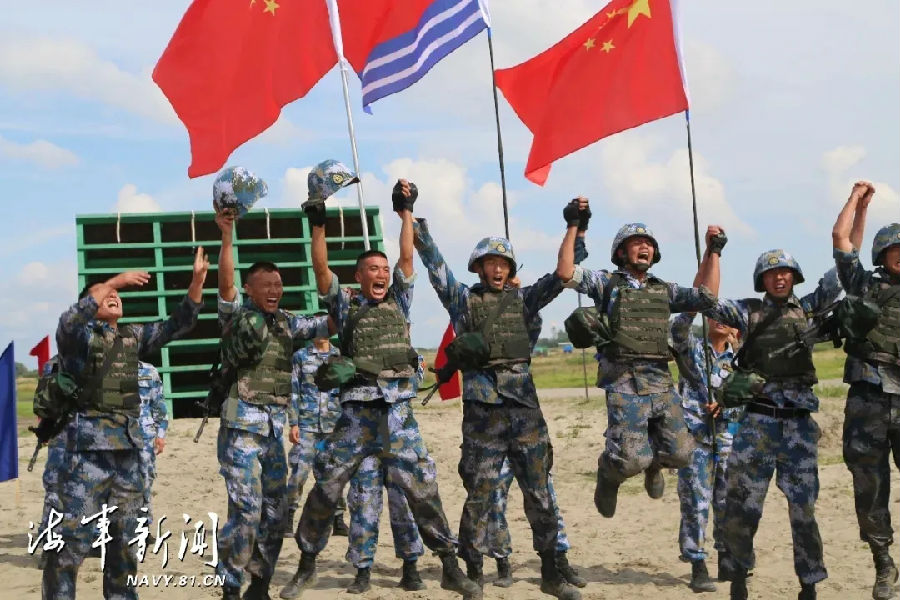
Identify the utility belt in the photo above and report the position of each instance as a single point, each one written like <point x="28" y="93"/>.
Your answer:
<point x="763" y="406"/>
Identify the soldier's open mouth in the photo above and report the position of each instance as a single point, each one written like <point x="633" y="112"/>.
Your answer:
<point x="379" y="287"/>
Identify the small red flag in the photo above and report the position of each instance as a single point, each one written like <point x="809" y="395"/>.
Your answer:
<point x="617" y="71"/>
<point x="232" y="64"/>
<point x="42" y="351"/>
<point x="451" y="389"/>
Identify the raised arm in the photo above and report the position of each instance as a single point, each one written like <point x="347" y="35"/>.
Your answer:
<point x="450" y="292"/>
<point x="320" y="258"/>
<point x="403" y="198"/>
<point x="709" y="274"/>
<point x="576" y="213"/>
<point x="198" y="278"/>
<point x="848" y="230"/>
<point x="227" y="290"/>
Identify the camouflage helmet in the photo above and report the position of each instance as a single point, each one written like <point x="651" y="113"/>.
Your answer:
<point x="327" y="178"/>
<point x="237" y="189"/>
<point x="631" y="230"/>
<point x="775" y="259"/>
<point x="887" y="236"/>
<point x="493" y="246"/>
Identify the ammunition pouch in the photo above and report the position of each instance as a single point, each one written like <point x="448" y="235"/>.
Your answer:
<point x="56" y="395"/>
<point x="468" y="351"/>
<point x="586" y="328"/>
<point x="856" y="317"/>
<point x="742" y="387"/>
<point x="335" y="372"/>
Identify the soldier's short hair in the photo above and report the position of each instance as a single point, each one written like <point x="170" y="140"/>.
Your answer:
<point x="367" y="254"/>
<point x="263" y="266"/>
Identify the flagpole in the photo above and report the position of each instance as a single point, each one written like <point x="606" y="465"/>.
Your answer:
<point x="711" y="421"/>
<point x="499" y="137"/>
<point x="335" y="20"/>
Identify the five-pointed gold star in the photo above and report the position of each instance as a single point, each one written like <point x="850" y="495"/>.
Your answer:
<point x="252" y="2"/>
<point x="638" y="7"/>
<point x="590" y="43"/>
<point x="607" y="46"/>
<point x="271" y="5"/>
<point x="611" y="14"/>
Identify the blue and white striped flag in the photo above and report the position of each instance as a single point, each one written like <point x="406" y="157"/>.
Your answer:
<point x="399" y="62"/>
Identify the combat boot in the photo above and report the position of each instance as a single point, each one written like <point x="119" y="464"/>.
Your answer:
<point x="287" y="525"/>
<point x="654" y="482"/>
<point x="504" y="573"/>
<point x="552" y="581"/>
<point x="739" y="585"/>
<point x="605" y="496"/>
<point x="361" y="581"/>
<point x="885" y="574"/>
<point x="807" y="591"/>
<point x="568" y="571"/>
<point x="229" y="592"/>
<point x="411" y="581"/>
<point x="304" y="577"/>
<point x="453" y="579"/>
<point x="475" y="572"/>
<point x="339" y="527"/>
<point x="258" y="589"/>
<point x="700" y="581"/>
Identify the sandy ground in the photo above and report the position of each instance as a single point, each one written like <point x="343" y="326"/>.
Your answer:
<point x="634" y="555"/>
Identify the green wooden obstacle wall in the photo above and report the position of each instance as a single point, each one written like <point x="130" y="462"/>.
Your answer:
<point x="164" y="245"/>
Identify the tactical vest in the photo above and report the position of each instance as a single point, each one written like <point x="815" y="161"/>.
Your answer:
<point x="882" y="343"/>
<point x="762" y="353"/>
<point x="639" y="321"/>
<point x="117" y="390"/>
<point x="507" y="336"/>
<point x="269" y="380"/>
<point x="378" y="341"/>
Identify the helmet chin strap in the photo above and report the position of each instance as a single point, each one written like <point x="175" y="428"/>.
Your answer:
<point x="639" y="267"/>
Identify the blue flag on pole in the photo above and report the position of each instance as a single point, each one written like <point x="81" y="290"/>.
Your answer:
<point x="397" y="63"/>
<point x="9" y="443"/>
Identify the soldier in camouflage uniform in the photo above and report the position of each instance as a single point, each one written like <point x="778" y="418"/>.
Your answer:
<point x="365" y="501"/>
<point x="703" y="481"/>
<point x="778" y="434"/>
<point x="872" y="414"/>
<point x="103" y="438"/>
<point x="154" y="423"/>
<point x="501" y="414"/>
<point x="317" y="412"/>
<point x="56" y="457"/>
<point x="646" y="429"/>
<point x="257" y="345"/>
<point x="374" y="329"/>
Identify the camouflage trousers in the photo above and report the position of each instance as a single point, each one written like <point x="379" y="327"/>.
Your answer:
<point x="501" y="544"/>
<point x="871" y="434"/>
<point x="365" y="502"/>
<point x="148" y="473"/>
<point x="643" y="431"/>
<point x="86" y="481"/>
<point x="700" y="484"/>
<point x="391" y="432"/>
<point x="56" y="456"/>
<point x="301" y="458"/>
<point x="491" y="434"/>
<point x="765" y="446"/>
<point x="255" y="472"/>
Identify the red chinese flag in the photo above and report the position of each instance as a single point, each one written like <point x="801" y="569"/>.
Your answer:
<point x="42" y="351"/>
<point x="232" y="64"/>
<point x="367" y="23"/>
<point x="451" y="389"/>
<point x="619" y="70"/>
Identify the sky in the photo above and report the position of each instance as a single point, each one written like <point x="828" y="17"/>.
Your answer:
<point x="791" y="103"/>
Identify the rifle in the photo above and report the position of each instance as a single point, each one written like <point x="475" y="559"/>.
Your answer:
<point x="221" y="378"/>
<point x="46" y="430"/>
<point x="442" y="375"/>
<point x="825" y="326"/>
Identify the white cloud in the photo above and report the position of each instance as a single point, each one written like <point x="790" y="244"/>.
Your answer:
<point x="710" y="76"/>
<point x="841" y="164"/>
<point x="295" y="191"/>
<point x="73" y="67"/>
<point x="131" y="201"/>
<point x="39" y="152"/>
<point x="284" y="132"/>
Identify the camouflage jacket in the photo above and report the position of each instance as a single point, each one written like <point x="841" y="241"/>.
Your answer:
<point x="263" y="419"/>
<point x="339" y="301"/>
<point x="313" y="409"/>
<point x="154" y="417"/>
<point x="736" y="313"/>
<point x="856" y="281"/>
<point x="635" y="376"/>
<point x="481" y="385"/>
<point x="73" y="336"/>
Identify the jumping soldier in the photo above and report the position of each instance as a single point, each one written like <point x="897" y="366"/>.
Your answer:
<point x="777" y="434"/>
<point x="377" y="384"/>
<point x="646" y="429"/>
<point x="501" y="414"/>
<point x="872" y="414"/>
<point x="103" y="437"/>
<point x="257" y="345"/>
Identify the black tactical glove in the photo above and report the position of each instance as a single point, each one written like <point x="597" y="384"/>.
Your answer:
<point x="718" y="242"/>
<point x="583" y="217"/>
<point x="315" y="212"/>
<point x="571" y="214"/>
<point x="400" y="201"/>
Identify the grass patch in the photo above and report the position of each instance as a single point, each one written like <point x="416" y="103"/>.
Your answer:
<point x="831" y="391"/>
